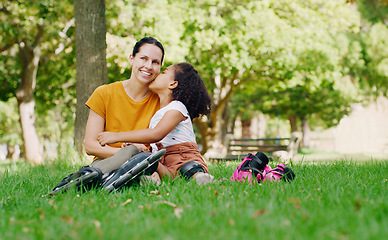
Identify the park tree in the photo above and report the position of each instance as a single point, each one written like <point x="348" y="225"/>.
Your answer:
<point x="273" y="45"/>
<point x="10" y="132"/>
<point x="230" y="44"/>
<point x="375" y="42"/>
<point x="91" y="67"/>
<point x="30" y="30"/>
<point x="129" y="21"/>
<point x="180" y="26"/>
<point x="373" y="11"/>
<point x="365" y="60"/>
<point x="265" y="52"/>
<point x="306" y="84"/>
<point x="364" y="53"/>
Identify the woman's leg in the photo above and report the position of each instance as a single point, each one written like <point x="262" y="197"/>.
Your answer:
<point x="112" y="163"/>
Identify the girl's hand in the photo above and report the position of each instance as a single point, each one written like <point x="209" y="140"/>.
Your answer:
<point x="123" y="145"/>
<point x="140" y="147"/>
<point x="106" y="138"/>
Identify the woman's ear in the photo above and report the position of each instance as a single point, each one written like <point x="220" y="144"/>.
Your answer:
<point x="130" y="59"/>
<point x="173" y="85"/>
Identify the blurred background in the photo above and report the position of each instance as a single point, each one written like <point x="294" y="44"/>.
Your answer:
<point x="272" y="67"/>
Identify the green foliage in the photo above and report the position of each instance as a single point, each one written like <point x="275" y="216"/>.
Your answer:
<point x="19" y="23"/>
<point x="10" y="132"/>
<point x="277" y="56"/>
<point x="55" y="85"/>
<point x="376" y="56"/>
<point x="304" y="78"/>
<point x="337" y="200"/>
<point x="11" y="69"/>
<point x="129" y="21"/>
<point x="366" y="59"/>
<point x="227" y="41"/>
<point x="324" y="105"/>
<point x="374" y="10"/>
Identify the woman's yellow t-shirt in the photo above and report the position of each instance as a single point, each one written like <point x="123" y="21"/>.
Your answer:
<point x="120" y="112"/>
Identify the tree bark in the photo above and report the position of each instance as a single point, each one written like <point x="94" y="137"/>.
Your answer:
<point x="90" y="30"/>
<point x="210" y="128"/>
<point x="29" y="56"/>
<point x="246" y="128"/>
<point x="306" y="132"/>
<point x="293" y="125"/>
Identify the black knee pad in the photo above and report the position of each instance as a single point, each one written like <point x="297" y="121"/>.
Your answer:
<point x="190" y="168"/>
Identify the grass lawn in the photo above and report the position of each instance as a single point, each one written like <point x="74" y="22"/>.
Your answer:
<point x="335" y="200"/>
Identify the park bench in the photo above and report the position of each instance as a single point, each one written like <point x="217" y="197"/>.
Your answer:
<point x="238" y="148"/>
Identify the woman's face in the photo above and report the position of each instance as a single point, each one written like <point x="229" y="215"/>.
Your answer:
<point x="146" y="63"/>
<point x="164" y="81"/>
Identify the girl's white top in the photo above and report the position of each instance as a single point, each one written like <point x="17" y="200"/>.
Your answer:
<point x="183" y="132"/>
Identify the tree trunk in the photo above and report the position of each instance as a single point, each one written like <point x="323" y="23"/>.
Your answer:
<point x="225" y="127"/>
<point x="293" y="125"/>
<point x="306" y="132"/>
<point x="213" y="141"/>
<point x="29" y="56"/>
<point x="90" y="30"/>
<point x="262" y="125"/>
<point x="211" y="131"/>
<point x="246" y="128"/>
<point x="13" y="152"/>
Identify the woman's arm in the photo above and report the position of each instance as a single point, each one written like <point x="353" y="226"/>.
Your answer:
<point x="169" y="121"/>
<point x="94" y="126"/>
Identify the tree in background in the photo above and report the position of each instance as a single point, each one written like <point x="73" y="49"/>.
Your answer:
<point x="285" y="58"/>
<point x="373" y="11"/>
<point x="30" y="30"/>
<point x="91" y="58"/>
<point x="129" y="21"/>
<point x="230" y="44"/>
<point x="366" y="60"/>
<point x="275" y="46"/>
<point x="365" y="54"/>
<point x="306" y="84"/>
<point x="10" y="132"/>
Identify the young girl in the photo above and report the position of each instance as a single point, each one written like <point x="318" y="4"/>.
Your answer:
<point x="183" y="97"/>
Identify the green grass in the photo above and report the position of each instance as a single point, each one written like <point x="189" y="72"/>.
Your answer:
<point x="339" y="200"/>
<point x="317" y="155"/>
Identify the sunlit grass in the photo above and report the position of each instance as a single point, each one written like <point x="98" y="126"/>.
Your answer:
<point x="337" y="200"/>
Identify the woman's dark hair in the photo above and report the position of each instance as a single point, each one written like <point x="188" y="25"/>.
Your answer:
<point x="191" y="90"/>
<point x="149" y="40"/>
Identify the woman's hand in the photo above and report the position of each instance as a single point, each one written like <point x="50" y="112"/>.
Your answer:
<point x="107" y="138"/>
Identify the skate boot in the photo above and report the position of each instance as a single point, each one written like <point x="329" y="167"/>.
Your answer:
<point x="140" y="163"/>
<point x="84" y="179"/>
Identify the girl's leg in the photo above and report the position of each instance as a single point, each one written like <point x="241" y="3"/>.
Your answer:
<point x="112" y="163"/>
<point x="163" y="171"/>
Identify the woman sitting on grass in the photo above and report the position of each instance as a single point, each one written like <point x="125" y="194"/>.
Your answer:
<point x="183" y="97"/>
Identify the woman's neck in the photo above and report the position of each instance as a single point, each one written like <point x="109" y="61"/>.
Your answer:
<point x="135" y="90"/>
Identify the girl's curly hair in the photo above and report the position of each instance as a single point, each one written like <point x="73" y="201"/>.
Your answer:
<point x="191" y="90"/>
